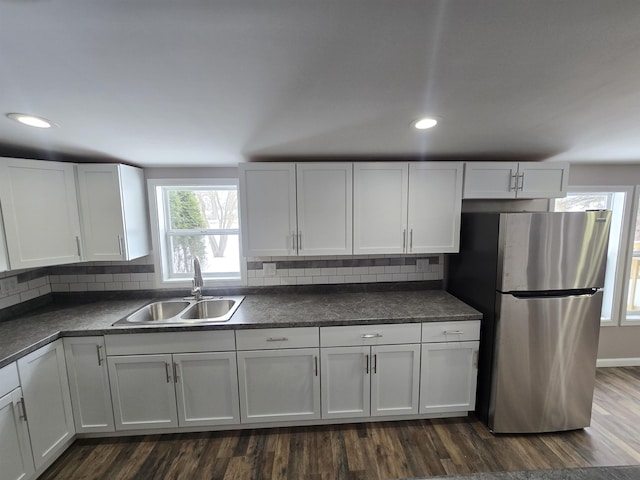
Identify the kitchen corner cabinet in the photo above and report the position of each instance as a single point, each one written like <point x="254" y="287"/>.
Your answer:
<point x="113" y="210"/>
<point x="449" y="367"/>
<point x="154" y="384"/>
<point x="525" y="180"/>
<point x="278" y="374"/>
<point x="370" y="370"/>
<point x="407" y="207"/>
<point x="15" y="452"/>
<point x="43" y="378"/>
<point x="89" y="384"/>
<point x="40" y="212"/>
<point x="292" y="209"/>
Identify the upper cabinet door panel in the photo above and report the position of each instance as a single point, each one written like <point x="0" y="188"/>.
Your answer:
<point x="268" y="209"/>
<point x="380" y="207"/>
<point x="435" y="202"/>
<point x="4" y="258"/>
<point x="40" y="212"/>
<point x="324" y="200"/>
<point x="490" y="179"/>
<point x="543" y="180"/>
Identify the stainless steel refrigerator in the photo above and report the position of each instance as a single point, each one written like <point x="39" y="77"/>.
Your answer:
<point x="537" y="278"/>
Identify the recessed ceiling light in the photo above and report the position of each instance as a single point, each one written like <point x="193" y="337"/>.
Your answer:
<point x="425" y="123"/>
<point x="30" y="120"/>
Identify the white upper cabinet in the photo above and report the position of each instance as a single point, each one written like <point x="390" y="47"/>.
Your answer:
<point x="515" y="180"/>
<point x="407" y="207"/>
<point x="380" y="207"/>
<point x="4" y="258"/>
<point x="113" y="212"/>
<point x="435" y="203"/>
<point x="40" y="212"/>
<point x="277" y="221"/>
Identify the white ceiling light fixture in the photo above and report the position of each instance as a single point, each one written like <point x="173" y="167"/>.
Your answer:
<point x="425" y="123"/>
<point x="30" y="120"/>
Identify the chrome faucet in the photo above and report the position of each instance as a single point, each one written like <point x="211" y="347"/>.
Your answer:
<point x="197" y="281"/>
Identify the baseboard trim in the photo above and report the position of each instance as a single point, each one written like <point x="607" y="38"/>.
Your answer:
<point x="618" y="362"/>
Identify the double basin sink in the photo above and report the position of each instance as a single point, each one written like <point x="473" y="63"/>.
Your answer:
<point x="184" y="311"/>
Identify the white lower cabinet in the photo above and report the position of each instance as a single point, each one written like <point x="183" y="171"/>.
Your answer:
<point x="164" y="388"/>
<point x="89" y="384"/>
<point x="278" y="374"/>
<point x="376" y="380"/>
<point x="43" y="378"/>
<point x="15" y="450"/>
<point x="449" y="368"/>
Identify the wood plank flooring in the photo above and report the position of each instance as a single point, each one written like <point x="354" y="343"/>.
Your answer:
<point x="369" y="451"/>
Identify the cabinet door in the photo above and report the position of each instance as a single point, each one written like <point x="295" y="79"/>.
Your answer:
<point x="15" y="453"/>
<point x="43" y="377"/>
<point x="206" y="388"/>
<point x="279" y="385"/>
<point x="543" y="180"/>
<point x="4" y="258"/>
<point x="490" y="180"/>
<point x="380" y="207"/>
<point x="268" y="209"/>
<point x="142" y="391"/>
<point x="395" y="379"/>
<point x="40" y="212"/>
<point x="435" y="203"/>
<point x="89" y="384"/>
<point x="346" y="385"/>
<point x="324" y="202"/>
<point x="448" y="377"/>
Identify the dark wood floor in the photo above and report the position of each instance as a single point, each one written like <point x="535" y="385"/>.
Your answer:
<point x="369" y="451"/>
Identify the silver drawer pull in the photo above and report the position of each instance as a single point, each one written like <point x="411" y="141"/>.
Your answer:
<point x="372" y="335"/>
<point x="277" y="339"/>
<point x="453" y="332"/>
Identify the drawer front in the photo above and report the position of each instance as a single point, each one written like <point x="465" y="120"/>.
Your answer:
<point x="8" y="379"/>
<point x="356" y="335"/>
<point x="272" y="338"/>
<point x="450" y="331"/>
<point x="180" y="342"/>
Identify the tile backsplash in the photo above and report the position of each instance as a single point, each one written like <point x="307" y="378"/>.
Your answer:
<point x="139" y="274"/>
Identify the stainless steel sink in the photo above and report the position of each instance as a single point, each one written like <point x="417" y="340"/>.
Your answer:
<point x="184" y="311"/>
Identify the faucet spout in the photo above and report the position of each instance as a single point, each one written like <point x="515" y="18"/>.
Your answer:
<point x="198" y="281"/>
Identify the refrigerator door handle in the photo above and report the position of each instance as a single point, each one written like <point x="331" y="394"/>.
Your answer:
<point x="582" y="292"/>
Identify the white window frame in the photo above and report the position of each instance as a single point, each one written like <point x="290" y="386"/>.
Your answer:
<point x="624" y="321"/>
<point x="163" y="278"/>
<point x="626" y="217"/>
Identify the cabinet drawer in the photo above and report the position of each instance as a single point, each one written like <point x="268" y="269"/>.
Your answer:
<point x="450" y="331"/>
<point x="389" y="334"/>
<point x="181" y="342"/>
<point x="8" y="379"/>
<point x="271" y="338"/>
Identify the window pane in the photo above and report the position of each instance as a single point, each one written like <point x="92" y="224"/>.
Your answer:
<point x="203" y="208"/>
<point x="218" y="254"/>
<point x="633" y="294"/>
<point x="579" y="202"/>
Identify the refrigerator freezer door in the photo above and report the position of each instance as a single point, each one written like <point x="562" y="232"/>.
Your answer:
<point x="544" y="363"/>
<point x="552" y="251"/>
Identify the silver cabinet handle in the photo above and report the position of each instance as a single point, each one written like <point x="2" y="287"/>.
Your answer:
<point x="167" y="368"/>
<point x="24" y="409"/>
<point x="120" y="249"/>
<point x="98" y="347"/>
<point x="367" y="364"/>
<point x="453" y="332"/>
<point x="411" y="240"/>
<point x="404" y="240"/>
<point x="475" y="359"/>
<point x="372" y="335"/>
<point x="299" y="241"/>
<point x="277" y="339"/>
<point x="513" y="184"/>
<point x="293" y="242"/>
<point x="521" y="178"/>
<point x="78" y="246"/>
<point x="315" y="360"/>
<point x="375" y="363"/>
<point x="176" y="376"/>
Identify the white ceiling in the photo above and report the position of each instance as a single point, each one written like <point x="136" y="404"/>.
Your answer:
<point x="215" y="82"/>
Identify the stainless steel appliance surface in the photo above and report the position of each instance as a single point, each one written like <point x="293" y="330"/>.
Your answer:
<point x="537" y="278"/>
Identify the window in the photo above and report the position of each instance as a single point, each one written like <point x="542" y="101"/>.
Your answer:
<point x="196" y="219"/>
<point x="615" y="200"/>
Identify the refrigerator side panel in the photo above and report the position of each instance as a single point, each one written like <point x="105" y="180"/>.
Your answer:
<point x="471" y="276"/>
<point x="552" y="251"/>
<point x="545" y="363"/>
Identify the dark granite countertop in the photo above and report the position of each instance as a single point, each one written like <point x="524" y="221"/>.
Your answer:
<point x="592" y="473"/>
<point x="33" y="330"/>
